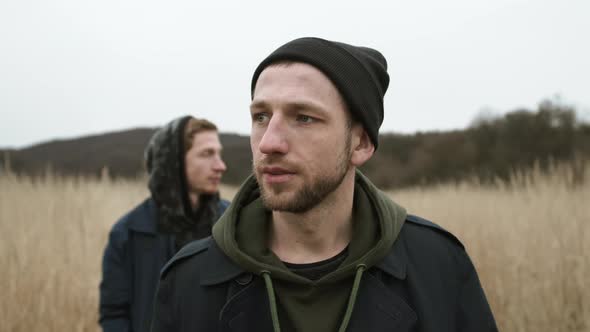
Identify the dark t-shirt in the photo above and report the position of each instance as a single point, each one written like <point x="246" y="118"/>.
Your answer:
<point x="314" y="271"/>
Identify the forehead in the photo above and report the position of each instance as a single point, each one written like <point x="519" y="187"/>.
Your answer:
<point x="295" y="82"/>
<point x="206" y="140"/>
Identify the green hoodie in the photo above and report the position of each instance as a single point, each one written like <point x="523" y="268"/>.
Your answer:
<point x="302" y="304"/>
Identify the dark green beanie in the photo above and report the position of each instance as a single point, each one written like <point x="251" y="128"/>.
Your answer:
<point x="359" y="74"/>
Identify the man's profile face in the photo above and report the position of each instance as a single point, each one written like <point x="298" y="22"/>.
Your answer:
<point x="203" y="164"/>
<point x="300" y="137"/>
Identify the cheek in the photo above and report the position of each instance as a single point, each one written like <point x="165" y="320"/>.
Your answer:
<point x="194" y="168"/>
<point x="190" y="171"/>
<point x="254" y="141"/>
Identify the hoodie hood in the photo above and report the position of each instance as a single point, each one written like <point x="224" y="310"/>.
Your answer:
<point x="242" y="232"/>
<point x="298" y="303"/>
<point x="164" y="157"/>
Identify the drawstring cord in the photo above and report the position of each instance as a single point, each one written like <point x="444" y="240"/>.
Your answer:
<point x="351" y="300"/>
<point x="355" y="289"/>
<point x="272" y="300"/>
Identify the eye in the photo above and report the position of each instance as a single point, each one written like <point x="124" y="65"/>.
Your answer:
<point x="207" y="153"/>
<point x="259" y="117"/>
<point x="304" y="118"/>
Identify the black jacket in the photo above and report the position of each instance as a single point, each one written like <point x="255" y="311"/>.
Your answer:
<point x="426" y="283"/>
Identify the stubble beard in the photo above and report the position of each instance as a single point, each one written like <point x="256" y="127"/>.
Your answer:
<point x="313" y="192"/>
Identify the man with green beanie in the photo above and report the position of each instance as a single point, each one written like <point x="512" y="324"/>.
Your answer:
<point x="309" y="243"/>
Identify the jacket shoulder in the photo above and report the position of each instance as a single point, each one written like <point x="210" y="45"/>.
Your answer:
<point x="421" y="222"/>
<point x="191" y="249"/>
<point x="142" y="218"/>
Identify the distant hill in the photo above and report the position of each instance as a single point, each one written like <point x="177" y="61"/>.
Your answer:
<point x="121" y="152"/>
<point x="490" y="149"/>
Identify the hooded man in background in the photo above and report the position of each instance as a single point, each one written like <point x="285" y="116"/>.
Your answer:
<point x="184" y="164"/>
<point x="308" y="243"/>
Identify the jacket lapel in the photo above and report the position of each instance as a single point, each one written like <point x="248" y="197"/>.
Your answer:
<point x="378" y="309"/>
<point x="220" y="268"/>
<point x="247" y="311"/>
<point x="247" y="308"/>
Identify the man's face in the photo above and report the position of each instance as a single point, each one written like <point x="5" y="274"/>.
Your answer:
<point x="300" y="137"/>
<point x="203" y="163"/>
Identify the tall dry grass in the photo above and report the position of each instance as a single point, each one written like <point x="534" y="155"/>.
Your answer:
<point x="530" y="244"/>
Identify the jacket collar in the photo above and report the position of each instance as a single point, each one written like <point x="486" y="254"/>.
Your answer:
<point x="225" y="269"/>
<point x="144" y="218"/>
<point x="394" y="263"/>
<point x="221" y="269"/>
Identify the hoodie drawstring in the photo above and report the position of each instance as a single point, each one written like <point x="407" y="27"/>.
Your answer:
<point x="272" y="301"/>
<point x="351" y="300"/>
<point x="353" y="293"/>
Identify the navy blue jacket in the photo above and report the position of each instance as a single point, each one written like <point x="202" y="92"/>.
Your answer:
<point x="131" y="266"/>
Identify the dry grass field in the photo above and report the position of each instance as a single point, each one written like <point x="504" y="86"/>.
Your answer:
<point x="530" y="243"/>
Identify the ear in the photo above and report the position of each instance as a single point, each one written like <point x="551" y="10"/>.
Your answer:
<point x="362" y="146"/>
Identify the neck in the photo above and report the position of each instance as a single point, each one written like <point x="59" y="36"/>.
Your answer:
<point x="194" y="199"/>
<point x="319" y="233"/>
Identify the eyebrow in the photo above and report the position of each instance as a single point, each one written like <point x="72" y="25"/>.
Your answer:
<point x="259" y="104"/>
<point x="297" y="105"/>
<point x="305" y="106"/>
<point x="209" y="148"/>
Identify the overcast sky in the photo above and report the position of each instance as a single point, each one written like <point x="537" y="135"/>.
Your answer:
<point x="77" y="67"/>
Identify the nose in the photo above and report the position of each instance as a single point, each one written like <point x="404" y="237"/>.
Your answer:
<point x="273" y="140"/>
<point x="219" y="165"/>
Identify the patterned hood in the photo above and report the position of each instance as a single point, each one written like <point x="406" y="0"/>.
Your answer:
<point x="164" y="158"/>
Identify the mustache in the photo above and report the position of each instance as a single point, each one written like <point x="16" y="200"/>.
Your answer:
<point x="273" y="161"/>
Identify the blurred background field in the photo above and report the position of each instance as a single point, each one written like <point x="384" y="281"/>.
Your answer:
<point x="530" y="240"/>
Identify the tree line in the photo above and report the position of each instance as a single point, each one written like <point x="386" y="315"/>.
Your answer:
<point x="491" y="148"/>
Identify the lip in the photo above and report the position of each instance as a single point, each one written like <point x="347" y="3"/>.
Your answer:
<point x="276" y="175"/>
